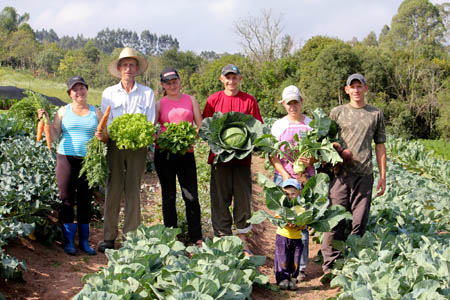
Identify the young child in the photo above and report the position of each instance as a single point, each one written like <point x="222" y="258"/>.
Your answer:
<point x="289" y="245"/>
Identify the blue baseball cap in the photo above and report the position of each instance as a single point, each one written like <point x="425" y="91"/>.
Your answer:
<point x="291" y="182"/>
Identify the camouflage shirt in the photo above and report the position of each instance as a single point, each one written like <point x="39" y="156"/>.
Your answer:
<point x="358" y="127"/>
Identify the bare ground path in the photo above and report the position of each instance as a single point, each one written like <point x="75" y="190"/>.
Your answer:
<point x="53" y="275"/>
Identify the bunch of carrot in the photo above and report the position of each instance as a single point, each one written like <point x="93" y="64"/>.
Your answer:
<point x="43" y="126"/>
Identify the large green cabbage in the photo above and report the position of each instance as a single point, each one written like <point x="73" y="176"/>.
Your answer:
<point x="231" y="135"/>
<point x="234" y="136"/>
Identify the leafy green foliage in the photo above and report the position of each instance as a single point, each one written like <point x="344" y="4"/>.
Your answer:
<point x="314" y="199"/>
<point x="25" y="110"/>
<point x="315" y="143"/>
<point x="413" y="156"/>
<point x="95" y="166"/>
<point x="212" y="129"/>
<point x="28" y="194"/>
<point x="9" y="127"/>
<point x="178" y="137"/>
<point x="439" y="148"/>
<point x="132" y="131"/>
<point x="151" y="265"/>
<point x="405" y="252"/>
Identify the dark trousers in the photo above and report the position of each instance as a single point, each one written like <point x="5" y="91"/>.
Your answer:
<point x="287" y="257"/>
<point x="73" y="189"/>
<point x="230" y="183"/>
<point x="184" y="168"/>
<point x="355" y="194"/>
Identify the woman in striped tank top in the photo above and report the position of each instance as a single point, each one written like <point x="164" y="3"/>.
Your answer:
<point x="76" y="123"/>
<point x="175" y="107"/>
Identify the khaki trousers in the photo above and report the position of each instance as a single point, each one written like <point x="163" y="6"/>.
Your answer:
<point x="124" y="182"/>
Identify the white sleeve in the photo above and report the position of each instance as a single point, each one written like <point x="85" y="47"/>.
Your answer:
<point x="151" y="107"/>
<point x="278" y="128"/>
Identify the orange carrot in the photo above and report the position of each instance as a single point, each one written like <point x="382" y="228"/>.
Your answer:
<point x="40" y="129"/>
<point x="102" y="123"/>
<point x="48" y="136"/>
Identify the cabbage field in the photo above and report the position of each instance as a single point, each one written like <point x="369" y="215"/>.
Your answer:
<point x="404" y="255"/>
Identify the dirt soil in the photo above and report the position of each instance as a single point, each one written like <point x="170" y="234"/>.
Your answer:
<point x="51" y="274"/>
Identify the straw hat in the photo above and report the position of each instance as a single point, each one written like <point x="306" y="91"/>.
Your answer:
<point x="127" y="53"/>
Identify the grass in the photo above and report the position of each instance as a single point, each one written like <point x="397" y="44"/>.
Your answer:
<point x="25" y="80"/>
<point x="441" y="148"/>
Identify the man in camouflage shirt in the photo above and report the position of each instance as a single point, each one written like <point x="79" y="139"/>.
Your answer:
<point x="359" y="123"/>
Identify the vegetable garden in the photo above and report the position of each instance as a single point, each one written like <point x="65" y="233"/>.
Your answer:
<point x="405" y="253"/>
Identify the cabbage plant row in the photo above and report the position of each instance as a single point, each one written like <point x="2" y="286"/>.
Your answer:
<point x="28" y="195"/>
<point x="405" y="254"/>
<point x="413" y="156"/>
<point x="152" y="264"/>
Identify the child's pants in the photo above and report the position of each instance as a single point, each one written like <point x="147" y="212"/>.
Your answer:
<point x="287" y="257"/>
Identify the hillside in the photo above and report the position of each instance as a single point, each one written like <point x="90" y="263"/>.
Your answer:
<point x="26" y="80"/>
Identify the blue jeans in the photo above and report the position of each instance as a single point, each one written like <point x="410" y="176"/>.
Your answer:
<point x="305" y="233"/>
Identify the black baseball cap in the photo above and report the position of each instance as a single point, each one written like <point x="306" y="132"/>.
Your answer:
<point x="356" y="76"/>
<point x="230" y="68"/>
<point x="74" y="80"/>
<point x="169" y="74"/>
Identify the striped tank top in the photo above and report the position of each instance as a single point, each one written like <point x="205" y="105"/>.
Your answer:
<point x="77" y="131"/>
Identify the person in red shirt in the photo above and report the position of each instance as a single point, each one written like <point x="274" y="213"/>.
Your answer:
<point x="231" y="181"/>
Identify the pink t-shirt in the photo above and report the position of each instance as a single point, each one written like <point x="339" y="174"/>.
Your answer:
<point x="284" y="130"/>
<point x="175" y="111"/>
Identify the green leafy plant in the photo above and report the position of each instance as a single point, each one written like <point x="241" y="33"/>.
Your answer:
<point x="95" y="166"/>
<point x="25" y="110"/>
<point x="28" y="195"/>
<point x="405" y="252"/>
<point x="231" y="135"/>
<point x="152" y="265"/>
<point x="132" y="131"/>
<point x="315" y="143"/>
<point x="178" y="137"/>
<point x="313" y="198"/>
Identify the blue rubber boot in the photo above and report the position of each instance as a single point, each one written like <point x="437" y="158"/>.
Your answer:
<point x="69" y="230"/>
<point x="83" y="233"/>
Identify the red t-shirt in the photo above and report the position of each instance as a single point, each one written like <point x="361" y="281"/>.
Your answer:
<point x="242" y="102"/>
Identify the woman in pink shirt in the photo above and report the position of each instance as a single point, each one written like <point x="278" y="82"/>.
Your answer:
<point x="176" y="107"/>
<point x="284" y="129"/>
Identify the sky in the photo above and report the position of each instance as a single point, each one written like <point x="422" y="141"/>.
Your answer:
<point x="207" y="25"/>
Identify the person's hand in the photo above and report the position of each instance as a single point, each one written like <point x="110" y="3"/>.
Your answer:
<point x="307" y="161"/>
<point x="381" y="187"/>
<point x="292" y="226"/>
<point x="41" y="112"/>
<point x="101" y="136"/>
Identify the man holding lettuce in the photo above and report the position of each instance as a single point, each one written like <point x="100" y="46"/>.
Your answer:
<point x="231" y="181"/>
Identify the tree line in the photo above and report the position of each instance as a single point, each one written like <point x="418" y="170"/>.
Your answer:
<point x="407" y="65"/>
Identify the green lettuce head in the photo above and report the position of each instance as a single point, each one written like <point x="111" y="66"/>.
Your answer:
<point x="231" y="135"/>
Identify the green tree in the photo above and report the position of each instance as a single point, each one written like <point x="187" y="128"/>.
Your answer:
<point x="49" y="57"/>
<point x="416" y="21"/>
<point x="21" y="46"/>
<point x="443" y="120"/>
<point x="325" y="64"/>
<point x="11" y="20"/>
<point x="371" y="40"/>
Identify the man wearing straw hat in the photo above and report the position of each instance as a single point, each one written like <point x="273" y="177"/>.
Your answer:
<point x="126" y="166"/>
